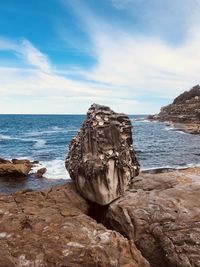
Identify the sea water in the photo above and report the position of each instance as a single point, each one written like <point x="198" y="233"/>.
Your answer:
<point x="46" y="138"/>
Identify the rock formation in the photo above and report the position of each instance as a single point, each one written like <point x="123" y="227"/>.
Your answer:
<point x="51" y="229"/>
<point x="184" y="111"/>
<point x="160" y="212"/>
<point x="40" y="172"/>
<point x="101" y="158"/>
<point x="14" y="168"/>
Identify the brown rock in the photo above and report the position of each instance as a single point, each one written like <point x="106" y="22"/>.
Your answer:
<point x="21" y="161"/>
<point x="160" y="212"/>
<point x="4" y="160"/>
<point x="184" y="110"/>
<point x="101" y="159"/>
<point x="14" y="169"/>
<point x="50" y="228"/>
<point x="40" y="172"/>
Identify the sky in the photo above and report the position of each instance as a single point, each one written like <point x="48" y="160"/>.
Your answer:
<point x="61" y="56"/>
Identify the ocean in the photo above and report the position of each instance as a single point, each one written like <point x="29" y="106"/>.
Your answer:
<point x="46" y="138"/>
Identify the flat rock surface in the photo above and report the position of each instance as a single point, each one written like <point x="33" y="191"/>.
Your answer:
<point x="161" y="213"/>
<point x="50" y="228"/>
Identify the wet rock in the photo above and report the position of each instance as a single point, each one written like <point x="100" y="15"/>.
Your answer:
<point x="101" y="158"/>
<point x="160" y="213"/>
<point x="40" y="172"/>
<point x="21" y="161"/>
<point x="15" y="168"/>
<point x="50" y="228"/>
<point x="35" y="162"/>
<point x="4" y="160"/>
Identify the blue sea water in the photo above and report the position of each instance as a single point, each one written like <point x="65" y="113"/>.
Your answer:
<point x="46" y="138"/>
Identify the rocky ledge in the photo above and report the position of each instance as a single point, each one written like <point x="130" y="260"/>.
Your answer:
<point x="184" y="112"/>
<point x="160" y="213"/>
<point x="51" y="228"/>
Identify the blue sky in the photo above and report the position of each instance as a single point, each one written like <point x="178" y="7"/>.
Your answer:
<point x="60" y="56"/>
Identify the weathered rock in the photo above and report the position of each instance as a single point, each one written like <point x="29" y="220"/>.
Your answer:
<point x="101" y="159"/>
<point x="49" y="229"/>
<point x="161" y="214"/>
<point x="40" y="172"/>
<point x="4" y="160"/>
<point x="21" y="161"/>
<point x="14" y="169"/>
<point x="184" y="112"/>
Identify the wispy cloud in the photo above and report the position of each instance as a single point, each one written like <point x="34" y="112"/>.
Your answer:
<point x="25" y="50"/>
<point x="134" y="72"/>
<point x="139" y="64"/>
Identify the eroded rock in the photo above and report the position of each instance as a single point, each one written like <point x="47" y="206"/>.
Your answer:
<point x="184" y="112"/>
<point x="160" y="212"/>
<point x="14" y="168"/>
<point x="51" y="229"/>
<point x="101" y="158"/>
<point x="40" y="172"/>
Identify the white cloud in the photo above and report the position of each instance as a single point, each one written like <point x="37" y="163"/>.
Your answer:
<point x="132" y="71"/>
<point x="25" y="50"/>
<point x="147" y="65"/>
<point x="140" y="65"/>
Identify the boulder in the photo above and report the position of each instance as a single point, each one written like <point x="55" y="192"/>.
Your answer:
<point x="101" y="158"/>
<point x="14" y="169"/>
<point x="40" y="172"/>
<point x="51" y="229"/>
<point x="160" y="213"/>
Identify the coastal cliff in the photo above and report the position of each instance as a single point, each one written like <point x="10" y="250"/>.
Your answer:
<point x="184" y="111"/>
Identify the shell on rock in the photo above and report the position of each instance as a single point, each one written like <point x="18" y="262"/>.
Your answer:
<point x="98" y="118"/>
<point x="101" y="123"/>
<point x="101" y="156"/>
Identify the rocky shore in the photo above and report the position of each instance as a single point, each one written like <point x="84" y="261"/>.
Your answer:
<point x="183" y="113"/>
<point x="110" y="214"/>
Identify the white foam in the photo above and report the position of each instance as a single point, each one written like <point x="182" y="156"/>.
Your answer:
<point x="40" y="143"/>
<point x="5" y="137"/>
<point x="141" y="120"/>
<point x="174" y="129"/>
<point x="176" y="167"/>
<point x="55" y="169"/>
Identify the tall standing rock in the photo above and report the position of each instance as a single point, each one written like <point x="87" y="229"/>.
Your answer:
<point x="101" y="158"/>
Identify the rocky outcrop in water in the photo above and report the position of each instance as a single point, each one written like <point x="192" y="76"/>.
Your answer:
<point x="14" y="168"/>
<point x="160" y="213"/>
<point x="51" y="229"/>
<point x="101" y="158"/>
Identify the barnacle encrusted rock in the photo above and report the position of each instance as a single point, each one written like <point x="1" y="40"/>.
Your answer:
<point x="101" y="158"/>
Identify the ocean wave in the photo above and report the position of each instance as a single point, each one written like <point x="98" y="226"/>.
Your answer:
<point x="5" y="137"/>
<point x="141" y="120"/>
<point x="53" y="130"/>
<point x="174" y="129"/>
<point x="40" y="143"/>
<point x="55" y="169"/>
<point x="171" y="167"/>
